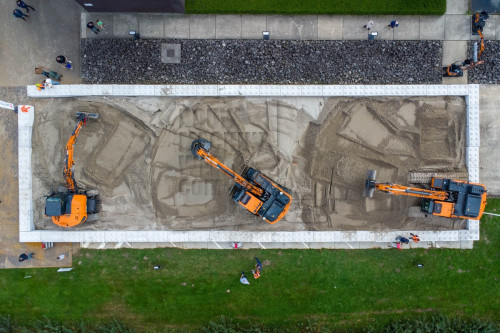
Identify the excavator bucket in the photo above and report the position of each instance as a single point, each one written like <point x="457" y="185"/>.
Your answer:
<point x="197" y="144"/>
<point x="86" y="114"/>
<point x="371" y="176"/>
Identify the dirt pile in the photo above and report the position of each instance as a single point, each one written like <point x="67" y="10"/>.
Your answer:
<point x="138" y="155"/>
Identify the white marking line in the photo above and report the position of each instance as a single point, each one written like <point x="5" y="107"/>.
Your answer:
<point x="491" y="214"/>
<point x="349" y="245"/>
<point x="102" y="246"/>
<point x="305" y="245"/>
<point x="173" y="244"/>
<point x="262" y="246"/>
<point x="220" y="248"/>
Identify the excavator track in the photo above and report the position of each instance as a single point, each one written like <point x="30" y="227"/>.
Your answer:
<point x="425" y="177"/>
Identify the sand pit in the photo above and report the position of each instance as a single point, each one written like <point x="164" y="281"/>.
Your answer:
<point x="138" y="155"/>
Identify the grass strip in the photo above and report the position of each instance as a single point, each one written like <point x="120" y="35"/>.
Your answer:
<point x="337" y="288"/>
<point x="317" y="7"/>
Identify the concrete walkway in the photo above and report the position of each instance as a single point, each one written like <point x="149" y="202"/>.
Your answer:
<point x="308" y="27"/>
<point x="455" y="25"/>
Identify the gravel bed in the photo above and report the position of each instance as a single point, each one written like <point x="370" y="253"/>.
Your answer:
<point x="489" y="72"/>
<point x="263" y="62"/>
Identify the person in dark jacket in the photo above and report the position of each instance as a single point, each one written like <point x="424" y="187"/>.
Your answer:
<point x="18" y="13"/>
<point x="92" y="27"/>
<point x="23" y="5"/>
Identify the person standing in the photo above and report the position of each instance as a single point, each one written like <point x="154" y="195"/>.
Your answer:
<point x="64" y="62"/>
<point x="61" y="59"/>
<point x="18" y="13"/>
<point x="369" y="25"/>
<point x="23" y="5"/>
<point x="394" y="24"/>
<point x="92" y="27"/>
<point x="243" y="278"/>
<point x="99" y="24"/>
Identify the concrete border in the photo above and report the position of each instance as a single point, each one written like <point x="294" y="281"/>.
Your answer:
<point x="219" y="239"/>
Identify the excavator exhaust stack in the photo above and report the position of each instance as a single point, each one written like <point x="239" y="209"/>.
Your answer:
<point x="369" y="189"/>
<point x="200" y="143"/>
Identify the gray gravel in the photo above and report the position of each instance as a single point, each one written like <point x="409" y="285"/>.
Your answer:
<point x="263" y="62"/>
<point x="489" y="72"/>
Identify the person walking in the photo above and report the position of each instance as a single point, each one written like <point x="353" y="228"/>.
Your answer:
<point x="25" y="256"/>
<point x="258" y="265"/>
<point x="23" y="5"/>
<point x="256" y="274"/>
<point x="393" y="24"/>
<point x="243" y="278"/>
<point x="369" y="25"/>
<point x="92" y="27"/>
<point x="18" y="13"/>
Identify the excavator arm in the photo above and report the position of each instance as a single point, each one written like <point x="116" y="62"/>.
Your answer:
<point x="411" y="191"/>
<point x="371" y="185"/>
<point x="81" y="118"/>
<point x="200" y="149"/>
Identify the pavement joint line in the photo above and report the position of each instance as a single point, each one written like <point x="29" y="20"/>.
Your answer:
<point x="198" y="239"/>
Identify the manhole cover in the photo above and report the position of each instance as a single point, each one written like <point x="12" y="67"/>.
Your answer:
<point x="171" y="53"/>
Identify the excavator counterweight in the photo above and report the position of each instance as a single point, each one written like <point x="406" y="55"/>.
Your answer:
<point x="253" y="190"/>
<point x="446" y="198"/>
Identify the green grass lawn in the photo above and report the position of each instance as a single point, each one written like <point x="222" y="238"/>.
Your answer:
<point x="339" y="288"/>
<point x="332" y="7"/>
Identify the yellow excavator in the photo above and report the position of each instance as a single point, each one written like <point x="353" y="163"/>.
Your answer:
<point x="254" y="191"/>
<point x="446" y="198"/>
<point x="72" y="206"/>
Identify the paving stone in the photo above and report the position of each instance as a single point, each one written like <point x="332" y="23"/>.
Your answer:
<point x="228" y="26"/>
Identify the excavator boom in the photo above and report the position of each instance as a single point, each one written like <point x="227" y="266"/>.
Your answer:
<point x="396" y="189"/>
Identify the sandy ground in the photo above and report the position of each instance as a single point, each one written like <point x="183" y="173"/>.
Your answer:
<point x="138" y="155"/>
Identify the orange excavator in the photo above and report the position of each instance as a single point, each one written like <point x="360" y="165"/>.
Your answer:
<point x="253" y="191"/>
<point x="446" y="198"/>
<point x="71" y="206"/>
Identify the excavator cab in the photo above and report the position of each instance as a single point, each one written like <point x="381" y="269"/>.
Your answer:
<point x="438" y="208"/>
<point x="247" y="200"/>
